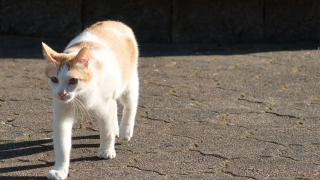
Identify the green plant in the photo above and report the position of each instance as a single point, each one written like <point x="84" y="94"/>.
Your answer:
<point x="270" y="104"/>
<point x="81" y="117"/>
<point x="221" y="119"/>
<point x="308" y="55"/>
<point x="242" y="94"/>
<point x="271" y="101"/>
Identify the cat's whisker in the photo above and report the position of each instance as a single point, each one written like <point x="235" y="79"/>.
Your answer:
<point x="78" y="106"/>
<point x="81" y="112"/>
<point x="74" y="108"/>
<point x="84" y="109"/>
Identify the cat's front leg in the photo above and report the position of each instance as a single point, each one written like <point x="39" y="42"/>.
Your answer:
<point x="62" y="127"/>
<point x="108" y="126"/>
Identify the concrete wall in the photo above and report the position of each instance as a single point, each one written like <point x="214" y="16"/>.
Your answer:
<point x="169" y="21"/>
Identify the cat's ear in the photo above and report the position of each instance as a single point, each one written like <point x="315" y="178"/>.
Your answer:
<point x="48" y="53"/>
<point x="83" y="57"/>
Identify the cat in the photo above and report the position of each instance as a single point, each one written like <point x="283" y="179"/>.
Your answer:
<point x="97" y="67"/>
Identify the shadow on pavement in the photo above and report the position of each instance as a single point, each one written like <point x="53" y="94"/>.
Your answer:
<point x="30" y="48"/>
<point x="48" y="164"/>
<point x="12" y="150"/>
<point x="21" y="178"/>
<point x="27" y="148"/>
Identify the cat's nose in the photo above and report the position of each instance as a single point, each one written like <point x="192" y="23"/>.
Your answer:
<point x="61" y="94"/>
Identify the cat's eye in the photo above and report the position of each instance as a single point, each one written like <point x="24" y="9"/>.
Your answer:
<point x="73" y="81"/>
<point x="54" y="80"/>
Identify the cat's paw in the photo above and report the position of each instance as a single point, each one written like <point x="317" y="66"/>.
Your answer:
<point x="126" y="133"/>
<point x="107" y="154"/>
<point x="54" y="174"/>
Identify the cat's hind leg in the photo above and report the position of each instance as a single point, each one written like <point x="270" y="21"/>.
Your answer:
<point x="108" y="127"/>
<point x="129" y="100"/>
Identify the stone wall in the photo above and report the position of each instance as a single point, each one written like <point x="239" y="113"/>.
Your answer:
<point x="169" y="21"/>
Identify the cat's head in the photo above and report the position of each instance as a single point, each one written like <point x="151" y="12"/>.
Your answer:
<point x="67" y="74"/>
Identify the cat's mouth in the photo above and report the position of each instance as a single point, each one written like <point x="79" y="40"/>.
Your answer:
<point x="64" y="99"/>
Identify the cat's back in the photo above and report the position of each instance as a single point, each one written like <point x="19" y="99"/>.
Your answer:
<point x="114" y="34"/>
<point x="117" y="36"/>
<point x="120" y="39"/>
<point x="107" y="29"/>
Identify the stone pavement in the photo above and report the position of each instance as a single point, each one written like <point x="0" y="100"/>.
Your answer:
<point x="205" y="112"/>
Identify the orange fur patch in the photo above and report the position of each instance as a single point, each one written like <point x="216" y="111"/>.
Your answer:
<point x="122" y="45"/>
<point x="99" y="65"/>
<point x="60" y="60"/>
<point x="76" y="70"/>
<point x="81" y="73"/>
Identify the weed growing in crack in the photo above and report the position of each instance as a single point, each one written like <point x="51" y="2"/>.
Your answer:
<point x="241" y="95"/>
<point x="271" y="103"/>
<point x="221" y="119"/>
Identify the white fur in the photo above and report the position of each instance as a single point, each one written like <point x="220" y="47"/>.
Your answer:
<point x="99" y="96"/>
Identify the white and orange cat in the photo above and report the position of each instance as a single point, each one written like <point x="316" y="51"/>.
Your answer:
<point x="97" y="68"/>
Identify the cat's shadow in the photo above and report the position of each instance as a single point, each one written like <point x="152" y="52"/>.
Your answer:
<point x="16" y="151"/>
<point x="22" y="178"/>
